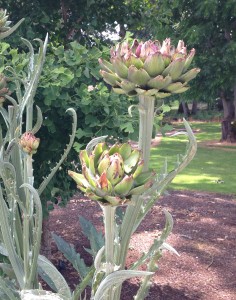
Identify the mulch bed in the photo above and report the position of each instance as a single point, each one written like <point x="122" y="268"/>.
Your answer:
<point x="204" y="235"/>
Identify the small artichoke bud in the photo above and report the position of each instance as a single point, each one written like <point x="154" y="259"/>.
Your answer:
<point x="3" y="89"/>
<point x="149" y="68"/>
<point x="111" y="175"/>
<point x="29" y="143"/>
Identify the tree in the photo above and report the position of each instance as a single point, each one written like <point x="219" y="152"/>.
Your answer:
<point x="68" y="20"/>
<point x="209" y="27"/>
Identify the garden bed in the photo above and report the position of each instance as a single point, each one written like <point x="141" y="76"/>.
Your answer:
<point x="204" y="235"/>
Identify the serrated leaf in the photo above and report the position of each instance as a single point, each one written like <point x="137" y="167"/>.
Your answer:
<point x="96" y="238"/>
<point x="69" y="252"/>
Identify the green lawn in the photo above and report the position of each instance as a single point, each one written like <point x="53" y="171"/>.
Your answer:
<point x="213" y="169"/>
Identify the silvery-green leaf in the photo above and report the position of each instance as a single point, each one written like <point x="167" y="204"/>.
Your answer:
<point x="3" y="250"/>
<point x="94" y="142"/>
<point x="7" y="291"/>
<point x="115" y="279"/>
<point x="170" y="248"/>
<point x="7" y="269"/>
<point x="47" y="270"/>
<point x="40" y="295"/>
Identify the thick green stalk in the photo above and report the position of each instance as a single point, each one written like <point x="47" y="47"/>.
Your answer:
<point x="27" y="221"/>
<point x="109" y="222"/>
<point x="146" y="119"/>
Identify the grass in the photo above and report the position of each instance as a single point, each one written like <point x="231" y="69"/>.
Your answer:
<point x="213" y="169"/>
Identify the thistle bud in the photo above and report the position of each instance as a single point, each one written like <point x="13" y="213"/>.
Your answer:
<point x="142" y="67"/>
<point x="113" y="174"/>
<point x="29" y="143"/>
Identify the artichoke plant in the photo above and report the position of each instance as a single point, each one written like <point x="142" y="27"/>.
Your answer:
<point x="149" y="68"/>
<point x="111" y="175"/>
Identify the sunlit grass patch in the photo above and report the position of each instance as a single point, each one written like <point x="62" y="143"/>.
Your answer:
<point x="212" y="169"/>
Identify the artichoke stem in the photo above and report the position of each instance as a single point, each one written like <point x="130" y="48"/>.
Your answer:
<point x="109" y="222"/>
<point x="146" y="117"/>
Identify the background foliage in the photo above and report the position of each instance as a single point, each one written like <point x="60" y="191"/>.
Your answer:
<point x="70" y="78"/>
<point x="76" y="30"/>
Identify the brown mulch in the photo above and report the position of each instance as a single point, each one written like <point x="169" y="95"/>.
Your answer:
<point x="204" y="235"/>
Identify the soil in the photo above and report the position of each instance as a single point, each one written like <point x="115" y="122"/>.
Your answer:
<point x="204" y="235"/>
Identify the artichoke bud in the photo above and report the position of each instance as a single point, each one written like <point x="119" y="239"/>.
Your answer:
<point x="137" y="66"/>
<point x="29" y="143"/>
<point x="115" y="175"/>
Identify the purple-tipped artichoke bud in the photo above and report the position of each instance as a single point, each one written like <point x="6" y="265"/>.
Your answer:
<point x="112" y="174"/>
<point x="29" y="143"/>
<point x="149" y="68"/>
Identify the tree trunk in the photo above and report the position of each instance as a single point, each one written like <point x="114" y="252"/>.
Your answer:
<point x="183" y="108"/>
<point x="194" y="108"/>
<point x="228" y="132"/>
<point x="235" y="101"/>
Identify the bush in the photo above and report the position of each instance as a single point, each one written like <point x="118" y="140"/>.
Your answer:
<point x="70" y="78"/>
